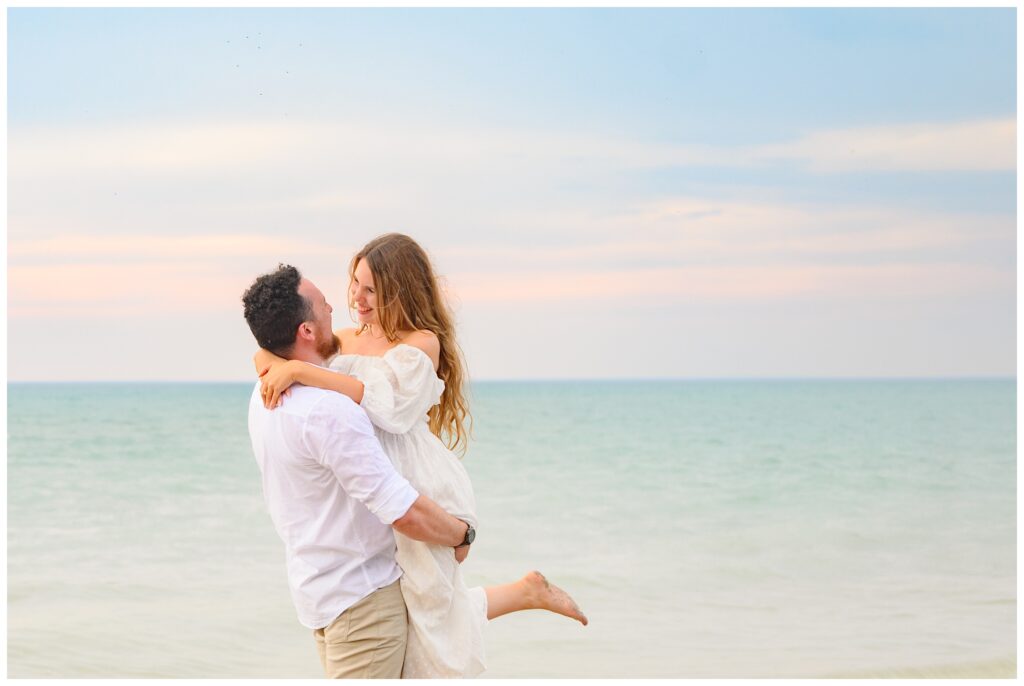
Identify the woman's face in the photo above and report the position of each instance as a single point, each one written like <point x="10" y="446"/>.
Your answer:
<point x="363" y="294"/>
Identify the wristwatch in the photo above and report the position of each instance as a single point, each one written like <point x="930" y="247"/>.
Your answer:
<point x="470" y="536"/>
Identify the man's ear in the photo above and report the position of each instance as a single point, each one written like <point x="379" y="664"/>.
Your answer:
<point x="305" y="331"/>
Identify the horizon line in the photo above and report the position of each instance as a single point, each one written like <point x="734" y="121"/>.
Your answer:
<point x="966" y="377"/>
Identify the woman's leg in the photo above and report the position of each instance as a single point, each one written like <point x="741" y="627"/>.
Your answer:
<point x="532" y="592"/>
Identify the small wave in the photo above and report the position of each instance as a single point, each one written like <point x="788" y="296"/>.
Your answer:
<point x="1005" y="668"/>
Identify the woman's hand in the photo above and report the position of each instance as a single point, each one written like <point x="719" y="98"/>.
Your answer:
<point x="275" y="380"/>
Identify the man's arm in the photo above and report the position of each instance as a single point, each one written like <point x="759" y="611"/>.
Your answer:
<point x="426" y="521"/>
<point x="343" y="440"/>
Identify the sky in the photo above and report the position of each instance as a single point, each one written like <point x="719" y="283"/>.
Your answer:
<point x="608" y="193"/>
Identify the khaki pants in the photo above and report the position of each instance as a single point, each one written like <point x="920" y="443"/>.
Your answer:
<point x="366" y="641"/>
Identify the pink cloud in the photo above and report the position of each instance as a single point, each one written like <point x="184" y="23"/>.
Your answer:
<point x="717" y="283"/>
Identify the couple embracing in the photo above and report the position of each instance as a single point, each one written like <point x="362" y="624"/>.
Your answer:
<point x="354" y="433"/>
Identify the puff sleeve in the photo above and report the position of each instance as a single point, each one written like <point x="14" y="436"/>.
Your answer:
<point x="398" y="393"/>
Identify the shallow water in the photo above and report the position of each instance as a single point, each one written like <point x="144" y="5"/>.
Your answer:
<point x="707" y="528"/>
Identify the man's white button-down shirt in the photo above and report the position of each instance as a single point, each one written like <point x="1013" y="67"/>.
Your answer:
<point x="332" y="494"/>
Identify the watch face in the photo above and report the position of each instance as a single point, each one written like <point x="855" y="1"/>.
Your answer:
<point x="470" y="535"/>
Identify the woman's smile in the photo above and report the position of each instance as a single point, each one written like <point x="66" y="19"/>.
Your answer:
<point x="363" y="294"/>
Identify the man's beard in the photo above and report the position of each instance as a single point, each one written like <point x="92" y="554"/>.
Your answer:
<point x="328" y="346"/>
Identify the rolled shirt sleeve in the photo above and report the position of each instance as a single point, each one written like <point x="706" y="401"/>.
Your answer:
<point x="341" y="438"/>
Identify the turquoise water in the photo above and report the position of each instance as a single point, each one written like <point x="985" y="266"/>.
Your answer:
<point x="708" y="528"/>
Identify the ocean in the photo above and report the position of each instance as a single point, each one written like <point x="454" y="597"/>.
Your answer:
<point x="707" y="529"/>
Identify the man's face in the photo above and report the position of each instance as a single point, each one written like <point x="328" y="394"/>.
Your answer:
<point x="322" y="325"/>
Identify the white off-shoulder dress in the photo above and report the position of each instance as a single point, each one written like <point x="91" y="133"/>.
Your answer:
<point x="446" y="618"/>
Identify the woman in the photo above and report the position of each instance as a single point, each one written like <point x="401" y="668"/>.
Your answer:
<point x="403" y="366"/>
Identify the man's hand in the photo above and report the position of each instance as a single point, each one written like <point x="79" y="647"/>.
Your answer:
<point x="461" y="553"/>
<point x="426" y="521"/>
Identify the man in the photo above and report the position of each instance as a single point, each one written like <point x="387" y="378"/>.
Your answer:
<point x="333" y="495"/>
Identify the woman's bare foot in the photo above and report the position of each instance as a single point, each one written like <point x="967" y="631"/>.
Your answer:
<point x="544" y="595"/>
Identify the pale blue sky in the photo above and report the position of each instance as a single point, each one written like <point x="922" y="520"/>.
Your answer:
<point x="613" y="193"/>
<point x="680" y="75"/>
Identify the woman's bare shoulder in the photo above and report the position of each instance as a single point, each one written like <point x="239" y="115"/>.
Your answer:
<point x="344" y="336"/>
<point x="426" y="341"/>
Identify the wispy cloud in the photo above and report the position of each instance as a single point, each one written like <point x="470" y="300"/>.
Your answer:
<point x="329" y="183"/>
<point x="562" y="204"/>
<point x="114" y="276"/>
<point x="114" y="289"/>
<point x="678" y="248"/>
<point x="985" y="145"/>
<point x="165" y="147"/>
<point x="710" y="284"/>
<point x="698" y="231"/>
<point x="145" y="247"/>
<point x="976" y="145"/>
<point x="165" y="288"/>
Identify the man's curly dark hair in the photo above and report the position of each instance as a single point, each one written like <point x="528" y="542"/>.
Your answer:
<point x="274" y="309"/>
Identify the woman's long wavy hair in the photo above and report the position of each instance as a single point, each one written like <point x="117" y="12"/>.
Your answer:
<point x="409" y="299"/>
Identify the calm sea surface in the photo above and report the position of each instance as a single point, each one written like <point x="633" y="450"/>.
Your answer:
<point x="707" y="528"/>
